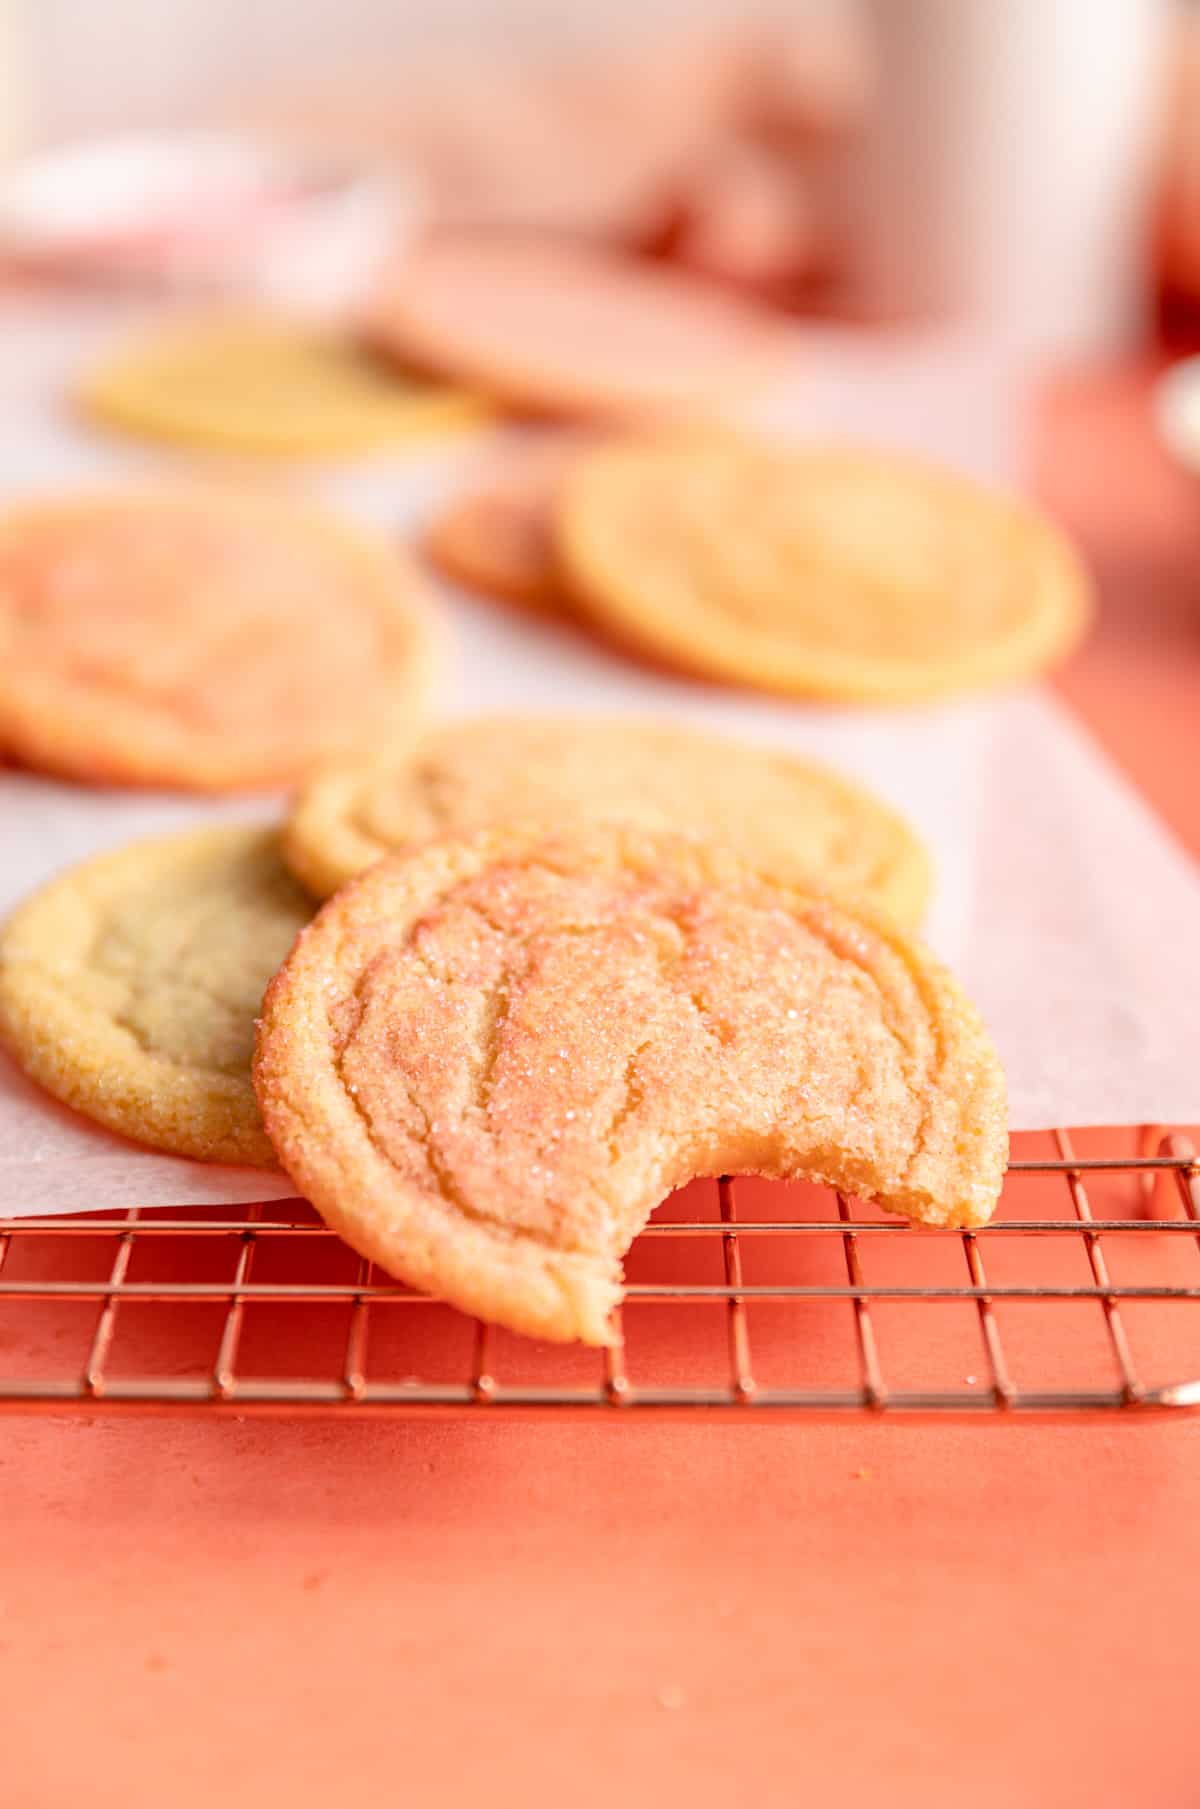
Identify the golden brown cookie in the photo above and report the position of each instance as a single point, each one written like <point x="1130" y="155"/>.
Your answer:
<point x="201" y="638"/>
<point x="788" y="817"/>
<point x="554" y="326"/>
<point x="842" y="574"/>
<point x="257" y="384"/>
<point x="487" y="1062"/>
<point x="129" y="986"/>
<point x="498" y="537"/>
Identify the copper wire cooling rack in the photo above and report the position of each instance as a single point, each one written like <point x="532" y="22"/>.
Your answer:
<point x="1083" y="1294"/>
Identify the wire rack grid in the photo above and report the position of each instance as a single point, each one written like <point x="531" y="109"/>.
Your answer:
<point x="809" y="1303"/>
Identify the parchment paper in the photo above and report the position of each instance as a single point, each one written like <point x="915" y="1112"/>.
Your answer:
<point x="1067" y="909"/>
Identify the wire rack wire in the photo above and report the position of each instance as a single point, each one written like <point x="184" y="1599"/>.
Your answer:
<point x="744" y="1296"/>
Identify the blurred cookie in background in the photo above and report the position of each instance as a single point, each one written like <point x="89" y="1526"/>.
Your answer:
<point x="548" y="325"/>
<point x="497" y="536"/>
<point x="265" y="385"/>
<point x="842" y="573"/>
<point x="202" y="639"/>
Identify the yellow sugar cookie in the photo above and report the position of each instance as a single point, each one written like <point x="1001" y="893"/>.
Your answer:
<point x="788" y="817"/>
<point x="129" y="987"/>
<point x="486" y="1063"/>
<point x="832" y="573"/>
<point x="201" y="638"/>
<point x="260" y="385"/>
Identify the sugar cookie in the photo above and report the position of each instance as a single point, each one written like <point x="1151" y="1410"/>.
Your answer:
<point x="788" y="817"/>
<point x="200" y="638"/>
<point x="246" y="383"/>
<point x="487" y="1062"/>
<point x="832" y="573"/>
<point x="498" y="536"/>
<point x="559" y="327"/>
<point x="129" y="987"/>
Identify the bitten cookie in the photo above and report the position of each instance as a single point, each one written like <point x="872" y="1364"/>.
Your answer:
<point x="248" y="383"/>
<point x="129" y="987"/>
<point x="786" y="816"/>
<point x="200" y="638"/>
<point x="486" y="1063"/>
<point x="841" y="574"/>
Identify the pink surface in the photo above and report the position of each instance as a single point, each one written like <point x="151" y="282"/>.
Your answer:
<point x="196" y="1611"/>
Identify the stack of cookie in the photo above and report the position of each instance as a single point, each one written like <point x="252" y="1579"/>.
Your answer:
<point x="487" y="1058"/>
<point x="560" y="966"/>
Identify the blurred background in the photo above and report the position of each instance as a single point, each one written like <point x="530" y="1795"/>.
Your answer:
<point x="890" y="179"/>
<point x="1032" y="160"/>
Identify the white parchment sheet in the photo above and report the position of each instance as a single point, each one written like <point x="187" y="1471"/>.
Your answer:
<point x="1066" y="908"/>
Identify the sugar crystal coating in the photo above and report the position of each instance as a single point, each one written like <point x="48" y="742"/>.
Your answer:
<point x="486" y="1063"/>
